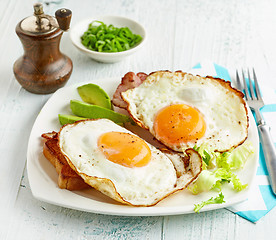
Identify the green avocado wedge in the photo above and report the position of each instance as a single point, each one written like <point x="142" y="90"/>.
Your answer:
<point x="65" y="119"/>
<point x="93" y="94"/>
<point x="86" y="110"/>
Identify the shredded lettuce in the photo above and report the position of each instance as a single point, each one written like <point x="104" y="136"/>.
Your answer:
<point x="208" y="180"/>
<point x="219" y="168"/>
<point x="204" y="183"/>
<point x="217" y="200"/>
<point x="208" y="155"/>
<point x="235" y="159"/>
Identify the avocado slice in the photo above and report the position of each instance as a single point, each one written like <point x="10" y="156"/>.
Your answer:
<point x="68" y="119"/>
<point x="86" y="110"/>
<point x="65" y="119"/>
<point x="93" y="94"/>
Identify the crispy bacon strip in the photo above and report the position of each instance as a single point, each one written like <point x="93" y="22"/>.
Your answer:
<point x="129" y="81"/>
<point x="49" y="135"/>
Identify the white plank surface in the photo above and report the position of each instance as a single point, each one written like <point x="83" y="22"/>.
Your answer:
<point x="180" y="34"/>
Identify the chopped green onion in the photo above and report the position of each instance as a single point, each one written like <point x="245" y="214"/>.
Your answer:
<point x="102" y="38"/>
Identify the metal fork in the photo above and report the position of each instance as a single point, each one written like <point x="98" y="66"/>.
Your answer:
<point x="255" y="103"/>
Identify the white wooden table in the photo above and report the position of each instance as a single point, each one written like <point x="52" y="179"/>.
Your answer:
<point x="180" y="34"/>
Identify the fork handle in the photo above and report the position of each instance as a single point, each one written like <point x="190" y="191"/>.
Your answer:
<point x="269" y="153"/>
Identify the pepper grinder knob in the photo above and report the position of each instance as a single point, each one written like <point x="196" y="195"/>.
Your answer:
<point x="63" y="17"/>
<point x="38" y="9"/>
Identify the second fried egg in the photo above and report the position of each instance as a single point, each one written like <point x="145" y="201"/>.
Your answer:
<point x="182" y="110"/>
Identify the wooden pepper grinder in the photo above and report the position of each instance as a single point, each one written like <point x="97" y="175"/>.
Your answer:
<point x="43" y="68"/>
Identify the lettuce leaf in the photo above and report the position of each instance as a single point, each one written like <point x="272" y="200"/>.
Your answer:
<point x="208" y="180"/>
<point x="204" y="183"/>
<point x="208" y="156"/>
<point x="235" y="159"/>
<point x="218" y="168"/>
<point x="217" y="200"/>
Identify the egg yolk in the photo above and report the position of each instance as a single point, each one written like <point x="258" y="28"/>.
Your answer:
<point x="178" y="124"/>
<point x="125" y="149"/>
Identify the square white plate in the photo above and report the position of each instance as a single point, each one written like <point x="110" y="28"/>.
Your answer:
<point x="43" y="177"/>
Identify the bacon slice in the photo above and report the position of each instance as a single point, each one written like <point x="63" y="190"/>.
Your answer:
<point x="50" y="135"/>
<point x="129" y="81"/>
<point x="142" y="76"/>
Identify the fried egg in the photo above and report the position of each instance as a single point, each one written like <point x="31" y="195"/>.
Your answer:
<point x="122" y="165"/>
<point x="182" y="110"/>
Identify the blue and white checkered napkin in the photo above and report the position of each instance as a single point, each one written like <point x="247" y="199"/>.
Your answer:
<point x="261" y="199"/>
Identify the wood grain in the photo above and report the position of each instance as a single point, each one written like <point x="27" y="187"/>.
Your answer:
<point x="42" y="68"/>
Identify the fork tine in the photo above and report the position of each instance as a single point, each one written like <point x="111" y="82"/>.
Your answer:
<point x="251" y="86"/>
<point x="239" y="85"/>
<point x="245" y="86"/>
<point x="257" y="88"/>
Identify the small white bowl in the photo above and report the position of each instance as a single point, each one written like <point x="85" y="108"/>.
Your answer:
<point x="77" y="31"/>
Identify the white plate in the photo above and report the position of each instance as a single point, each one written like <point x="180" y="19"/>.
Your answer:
<point x="43" y="177"/>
